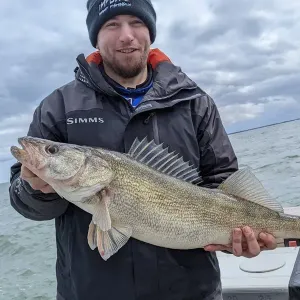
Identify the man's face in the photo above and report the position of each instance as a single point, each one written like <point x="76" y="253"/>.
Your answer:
<point x="124" y="44"/>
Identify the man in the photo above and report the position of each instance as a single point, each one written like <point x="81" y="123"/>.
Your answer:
<point x="122" y="91"/>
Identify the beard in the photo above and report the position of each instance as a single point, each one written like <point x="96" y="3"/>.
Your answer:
<point x="130" y="67"/>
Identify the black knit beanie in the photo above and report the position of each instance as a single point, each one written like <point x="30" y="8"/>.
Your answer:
<point x="100" y="11"/>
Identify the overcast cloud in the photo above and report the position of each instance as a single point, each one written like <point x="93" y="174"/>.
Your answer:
<point x="245" y="54"/>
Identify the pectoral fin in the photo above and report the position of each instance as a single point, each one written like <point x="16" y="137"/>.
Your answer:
<point x="108" y="242"/>
<point x="101" y="217"/>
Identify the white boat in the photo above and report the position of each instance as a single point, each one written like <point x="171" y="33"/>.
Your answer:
<point x="272" y="275"/>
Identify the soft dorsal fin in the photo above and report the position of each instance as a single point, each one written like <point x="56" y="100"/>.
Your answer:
<point x="160" y="159"/>
<point x="244" y="184"/>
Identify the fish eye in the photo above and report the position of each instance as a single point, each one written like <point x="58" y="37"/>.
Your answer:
<point x="52" y="149"/>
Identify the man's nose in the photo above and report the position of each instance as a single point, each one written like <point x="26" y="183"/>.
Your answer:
<point x="126" y="34"/>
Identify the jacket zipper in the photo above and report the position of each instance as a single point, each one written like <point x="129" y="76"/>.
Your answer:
<point x="146" y="121"/>
<point x="155" y="129"/>
<point x="154" y="119"/>
<point x="153" y="116"/>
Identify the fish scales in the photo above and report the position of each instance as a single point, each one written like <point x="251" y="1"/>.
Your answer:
<point x="175" y="209"/>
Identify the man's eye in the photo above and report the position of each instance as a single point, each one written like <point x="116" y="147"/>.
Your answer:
<point x="137" y="22"/>
<point x="111" y="24"/>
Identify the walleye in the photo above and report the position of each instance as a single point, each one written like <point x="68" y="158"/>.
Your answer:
<point x="152" y="195"/>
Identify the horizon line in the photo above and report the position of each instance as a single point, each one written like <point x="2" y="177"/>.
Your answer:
<point x="263" y="126"/>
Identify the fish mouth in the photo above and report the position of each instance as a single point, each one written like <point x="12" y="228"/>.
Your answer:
<point x="22" y="154"/>
<point x="19" y="153"/>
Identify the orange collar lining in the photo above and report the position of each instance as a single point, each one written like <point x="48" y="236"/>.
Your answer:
<point x="155" y="57"/>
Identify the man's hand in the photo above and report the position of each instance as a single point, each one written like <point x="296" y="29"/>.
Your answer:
<point x="35" y="182"/>
<point x="244" y="243"/>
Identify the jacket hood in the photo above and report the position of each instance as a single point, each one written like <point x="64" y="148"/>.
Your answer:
<point x="168" y="79"/>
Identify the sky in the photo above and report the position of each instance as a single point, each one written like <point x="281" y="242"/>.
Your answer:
<point x="244" y="54"/>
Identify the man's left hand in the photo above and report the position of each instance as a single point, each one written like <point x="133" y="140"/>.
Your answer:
<point x="244" y="243"/>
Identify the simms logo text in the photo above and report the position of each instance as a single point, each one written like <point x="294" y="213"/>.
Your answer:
<point x="71" y="121"/>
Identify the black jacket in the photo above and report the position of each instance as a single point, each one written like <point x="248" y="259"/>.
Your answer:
<point x="87" y="111"/>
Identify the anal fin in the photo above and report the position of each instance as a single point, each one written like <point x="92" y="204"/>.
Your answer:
<point x="244" y="184"/>
<point x="92" y="236"/>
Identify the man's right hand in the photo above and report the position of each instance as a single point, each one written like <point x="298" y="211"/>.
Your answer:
<point x="35" y="182"/>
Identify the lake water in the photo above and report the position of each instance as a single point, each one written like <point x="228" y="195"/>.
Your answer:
<point x="27" y="248"/>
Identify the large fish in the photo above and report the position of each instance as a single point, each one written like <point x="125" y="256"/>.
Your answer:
<point x="152" y="195"/>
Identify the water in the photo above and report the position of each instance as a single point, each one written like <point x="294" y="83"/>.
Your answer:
<point x="27" y="255"/>
<point x="27" y="248"/>
<point x="274" y="155"/>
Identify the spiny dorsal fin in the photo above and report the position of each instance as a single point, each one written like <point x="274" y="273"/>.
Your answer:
<point x="160" y="159"/>
<point x="244" y="184"/>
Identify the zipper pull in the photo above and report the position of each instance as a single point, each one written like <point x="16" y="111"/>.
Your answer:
<point x="146" y="121"/>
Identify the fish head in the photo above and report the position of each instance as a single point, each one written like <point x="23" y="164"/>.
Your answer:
<point x="69" y="169"/>
<point x="48" y="159"/>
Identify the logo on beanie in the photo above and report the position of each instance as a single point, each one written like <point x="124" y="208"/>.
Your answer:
<point x="109" y="4"/>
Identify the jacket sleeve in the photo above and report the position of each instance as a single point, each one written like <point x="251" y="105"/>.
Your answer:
<point x="217" y="157"/>
<point x="32" y="204"/>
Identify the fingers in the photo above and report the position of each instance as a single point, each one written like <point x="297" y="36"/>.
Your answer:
<point x="26" y="173"/>
<point x="47" y="189"/>
<point x="245" y="243"/>
<point x="240" y="244"/>
<point x="237" y="242"/>
<point x="40" y="185"/>
<point x="253" y="246"/>
<point x="31" y="178"/>
<point x="268" y="240"/>
<point x="35" y="182"/>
